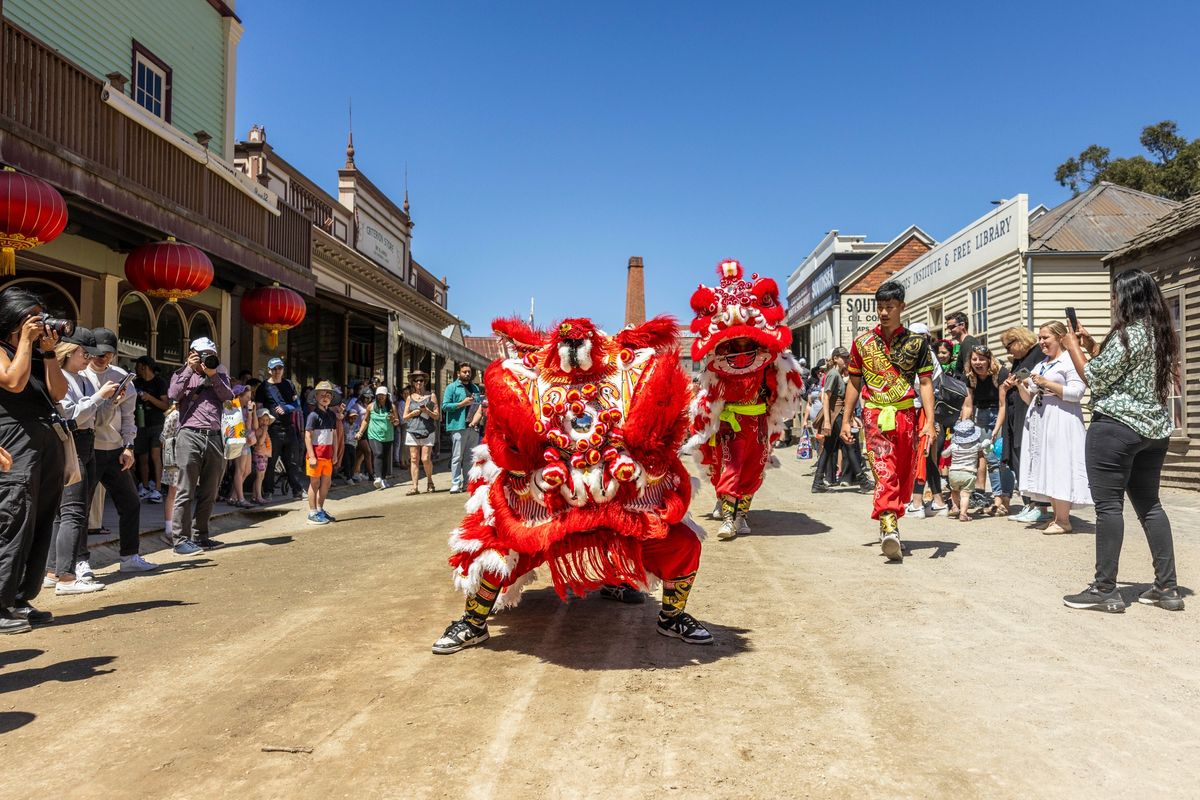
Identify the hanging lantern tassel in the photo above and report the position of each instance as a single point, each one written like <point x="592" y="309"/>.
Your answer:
<point x="273" y="338"/>
<point x="8" y="262"/>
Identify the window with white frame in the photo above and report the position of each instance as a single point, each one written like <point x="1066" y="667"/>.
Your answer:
<point x="1175" y="303"/>
<point x="151" y="86"/>
<point x="979" y="313"/>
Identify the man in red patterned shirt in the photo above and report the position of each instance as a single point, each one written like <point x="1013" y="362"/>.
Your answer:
<point x="886" y="366"/>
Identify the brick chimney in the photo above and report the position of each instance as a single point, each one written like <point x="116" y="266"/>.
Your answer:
<point x="635" y="293"/>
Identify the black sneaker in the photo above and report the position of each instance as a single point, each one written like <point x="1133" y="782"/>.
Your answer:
<point x="624" y="593"/>
<point x="209" y="544"/>
<point x="819" y="486"/>
<point x="1093" y="598"/>
<point x="866" y="487"/>
<point x="459" y="635"/>
<point x="1163" y="598"/>
<point x="684" y="626"/>
<point x="10" y="623"/>
<point x="31" y="614"/>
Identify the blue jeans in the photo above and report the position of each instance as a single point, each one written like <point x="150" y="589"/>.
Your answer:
<point x="464" y="442"/>
<point x="999" y="476"/>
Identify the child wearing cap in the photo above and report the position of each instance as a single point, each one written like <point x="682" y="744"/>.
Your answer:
<point x="320" y="438"/>
<point x="963" y="449"/>
<point x="262" y="451"/>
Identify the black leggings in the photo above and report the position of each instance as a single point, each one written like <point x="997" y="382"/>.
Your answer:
<point x="852" y="465"/>
<point x="382" y="453"/>
<point x="1119" y="461"/>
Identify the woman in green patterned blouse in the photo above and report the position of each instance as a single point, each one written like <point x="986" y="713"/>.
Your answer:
<point x="1131" y="377"/>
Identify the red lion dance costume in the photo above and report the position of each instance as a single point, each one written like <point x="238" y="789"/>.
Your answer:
<point x="579" y="471"/>
<point x="749" y="387"/>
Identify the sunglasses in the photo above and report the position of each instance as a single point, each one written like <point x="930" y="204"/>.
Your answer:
<point x="983" y="351"/>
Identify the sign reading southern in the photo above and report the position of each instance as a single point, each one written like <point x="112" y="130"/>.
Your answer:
<point x="858" y="314"/>
<point x="988" y="239"/>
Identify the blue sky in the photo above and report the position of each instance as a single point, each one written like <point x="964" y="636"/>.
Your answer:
<point x="547" y="142"/>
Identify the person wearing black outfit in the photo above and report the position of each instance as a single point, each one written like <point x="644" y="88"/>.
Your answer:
<point x="985" y="377"/>
<point x="1021" y="344"/>
<point x="833" y="402"/>
<point x="31" y="437"/>
<point x="278" y="394"/>
<point x="149" y="413"/>
<point x="956" y="330"/>
<point x="1131" y="377"/>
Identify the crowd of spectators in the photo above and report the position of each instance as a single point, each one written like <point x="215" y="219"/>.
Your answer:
<point x="1015" y="428"/>
<point x="72" y="421"/>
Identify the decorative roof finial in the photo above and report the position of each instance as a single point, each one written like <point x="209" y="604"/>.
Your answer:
<point x="405" y="187"/>
<point x="350" y="140"/>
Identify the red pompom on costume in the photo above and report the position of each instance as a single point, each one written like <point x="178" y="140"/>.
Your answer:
<point x="579" y="470"/>
<point x="749" y="386"/>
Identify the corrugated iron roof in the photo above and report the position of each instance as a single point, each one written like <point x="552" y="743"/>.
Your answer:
<point x="487" y="346"/>
<point x="1098" y="221"/>
<point x="1181" y="220"/>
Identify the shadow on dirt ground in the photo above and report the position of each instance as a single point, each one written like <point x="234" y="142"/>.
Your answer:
<point x="592" y="633"/>
<point x="785" y="523"/>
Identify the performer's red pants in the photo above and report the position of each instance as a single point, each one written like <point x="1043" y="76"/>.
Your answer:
<point x="893" y="458"/>
<point x="739" y="458"/>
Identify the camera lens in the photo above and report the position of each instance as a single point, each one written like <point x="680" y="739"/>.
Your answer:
<point x="211" y="361"/>
<point x="63" y="327"/>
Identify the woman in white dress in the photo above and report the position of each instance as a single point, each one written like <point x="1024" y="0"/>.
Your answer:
<point x="1052" y="460"/>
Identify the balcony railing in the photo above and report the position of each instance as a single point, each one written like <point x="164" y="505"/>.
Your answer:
<point x="50" y="96"/>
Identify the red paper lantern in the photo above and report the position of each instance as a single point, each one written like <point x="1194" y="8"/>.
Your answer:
<point x="275" y="308"/>
<point x="169" y="269"/>
<point x="32" y="212"/>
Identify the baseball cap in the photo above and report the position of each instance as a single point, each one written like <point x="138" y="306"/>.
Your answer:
<point x="84" y="338"/>
<point x="919" y="328"/>
<point x="265" y="412"/>
<point x="106" y="341"/>
<point x="382" y="390"/>
<point x="204" y="345"/>
<point x="275" y="362"/>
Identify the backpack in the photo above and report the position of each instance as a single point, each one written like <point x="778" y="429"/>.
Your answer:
<point x="949" y="394"/>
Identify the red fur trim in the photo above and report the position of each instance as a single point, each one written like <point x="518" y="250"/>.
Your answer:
<point x="587" y="561"/>
<point x="511" y="439"/>
<point x="657" y="420"/>
<point x="661" y="333"/>
<point x="519" y="333"/>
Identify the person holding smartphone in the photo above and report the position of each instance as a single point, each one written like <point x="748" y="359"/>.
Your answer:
<point x="421" y="415"/>
<point x="457" y="402"/>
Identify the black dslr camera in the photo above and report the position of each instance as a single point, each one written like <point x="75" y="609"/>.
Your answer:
<point x="210" y="360"/>
<point x="63" y="327"/>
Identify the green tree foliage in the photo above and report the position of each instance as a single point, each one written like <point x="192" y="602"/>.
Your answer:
<point x="1173" y="169"/>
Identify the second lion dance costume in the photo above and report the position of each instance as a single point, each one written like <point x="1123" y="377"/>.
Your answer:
<point x="579" y="471"/>
<point x="749" y="387"/>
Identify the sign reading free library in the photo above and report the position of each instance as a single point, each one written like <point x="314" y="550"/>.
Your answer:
<point x="990" y="238"/>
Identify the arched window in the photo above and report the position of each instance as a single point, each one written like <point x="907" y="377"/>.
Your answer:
<point x="133" y="328"/>
<point x="58" y="303"/>
<point x="172" y="333"/>
<point x="201" y="325"/>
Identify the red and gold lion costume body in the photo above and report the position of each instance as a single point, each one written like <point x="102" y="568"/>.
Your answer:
<point x="579" y="467"/>
<point x="749" y="387"/>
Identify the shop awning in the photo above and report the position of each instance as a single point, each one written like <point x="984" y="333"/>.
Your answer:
<point x="434" y="341"/>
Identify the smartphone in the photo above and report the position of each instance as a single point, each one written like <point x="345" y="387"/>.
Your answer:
<point x="128" y="379"/>
<point x="1072" y="319"/>
<point x="1022" y="374"/>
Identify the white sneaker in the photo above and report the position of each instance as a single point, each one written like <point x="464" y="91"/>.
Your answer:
<point x="385" y="485"/>
<point x="155" y="496"/>
<point x="136" y="563"/>
<point x="152" y="486"/>
<point x="49" y="582"/>
<point x="914" y="510"/>
<point x="727" y="531"/>
<point x="362" y="476"/>
<point x="142" y="492"/>
<point x="83" y="572"/>
<point x="891" y="547"/>
<point x="379" y="483"/>
<point x="78" y="587"/>
<point x="743" y="525"/>
<point x="716" y="512"/>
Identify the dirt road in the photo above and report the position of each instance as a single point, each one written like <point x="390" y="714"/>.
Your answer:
<point x="956" y="674"/>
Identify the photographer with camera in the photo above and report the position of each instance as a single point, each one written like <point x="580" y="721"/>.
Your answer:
<point x="116" y="431"/>
<point x="31" y="443"/>
<point x="200" y="388"/>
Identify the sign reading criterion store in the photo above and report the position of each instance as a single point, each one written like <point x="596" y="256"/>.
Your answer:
<point x="999" y="234"/>
<point x="375" y="243"/>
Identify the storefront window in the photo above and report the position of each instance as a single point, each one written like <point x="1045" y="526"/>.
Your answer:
<point x="979" y="313"/>
<point x="171" y="335"/>
<point x="133" y="329"/>
<point x="1175" y="303"/>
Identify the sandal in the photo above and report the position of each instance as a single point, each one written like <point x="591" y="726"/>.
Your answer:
<point x="412" y="491"/>
<point x="429" y="487"/>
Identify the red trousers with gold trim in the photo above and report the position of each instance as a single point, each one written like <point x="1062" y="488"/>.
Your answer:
<point x="739" y="458"/>
<point x="893" y="458"/>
